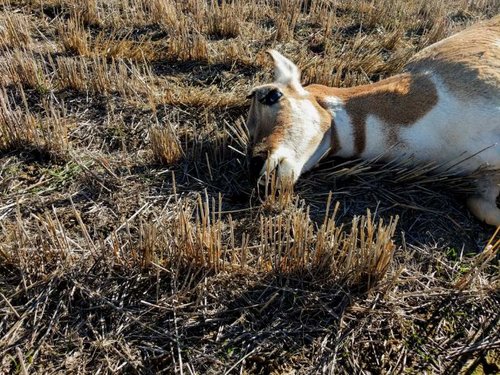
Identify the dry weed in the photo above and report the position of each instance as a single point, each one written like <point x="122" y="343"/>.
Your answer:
<point x="24" y="68"/>
<point x="20" y="129"/>
<point x="74" y="37"/>
<point x="165" y="144"/>
<point x="128" y="225"/>
<point x="15" y="31"/>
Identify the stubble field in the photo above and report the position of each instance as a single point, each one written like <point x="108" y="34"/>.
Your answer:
<point x="131" y="240"/>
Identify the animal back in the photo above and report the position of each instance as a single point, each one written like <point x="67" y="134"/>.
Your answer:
<point x="468" y="63"/>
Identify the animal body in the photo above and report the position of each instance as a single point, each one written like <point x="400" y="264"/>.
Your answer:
<point x="445" y="106"/>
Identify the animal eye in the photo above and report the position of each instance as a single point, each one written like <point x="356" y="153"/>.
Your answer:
<point x="272" y="97"/>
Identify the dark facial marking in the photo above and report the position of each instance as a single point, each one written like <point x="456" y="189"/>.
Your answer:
<point x="272" y="97"/>
<point x="255" y="165"/>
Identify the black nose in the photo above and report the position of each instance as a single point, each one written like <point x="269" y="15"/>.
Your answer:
<point x="255" y="165"/>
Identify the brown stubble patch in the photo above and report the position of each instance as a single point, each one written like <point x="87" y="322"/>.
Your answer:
<point x="15" y="31"/>
<point x="45" y="133"/>
<point x="165" y="144"/>
<point x="158" y="259"/>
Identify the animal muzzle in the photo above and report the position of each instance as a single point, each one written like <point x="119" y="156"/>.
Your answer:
<point x="255" y="165"/>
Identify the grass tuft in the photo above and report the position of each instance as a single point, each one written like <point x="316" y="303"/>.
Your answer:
<point x="165" y="145"/>
<point x="132" y="241"/>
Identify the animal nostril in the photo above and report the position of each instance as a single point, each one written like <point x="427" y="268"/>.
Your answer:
<point x="255" y="165"/>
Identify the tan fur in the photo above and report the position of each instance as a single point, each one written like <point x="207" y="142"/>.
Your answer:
<point x="472" y="55"/>
<point x="283" y="123"/>
<point x="400" y="101"/>
<point x="462" y="71"/>
<point x="270" y="132"/>
<point x="403" y="99"/>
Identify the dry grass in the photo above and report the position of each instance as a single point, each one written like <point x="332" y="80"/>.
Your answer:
<point x="20" y="129"/>
<point x="132" y="242"/>
<point x="165" y="145"/>
<point x="15" y="31"/>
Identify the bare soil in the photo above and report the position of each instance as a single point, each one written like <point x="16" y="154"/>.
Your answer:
<point x="131" y="240"/>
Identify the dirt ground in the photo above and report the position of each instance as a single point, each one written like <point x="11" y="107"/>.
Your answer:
<point x="131" y="240"/>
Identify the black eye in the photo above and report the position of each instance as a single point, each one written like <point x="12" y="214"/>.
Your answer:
<point x="272" y="97"/>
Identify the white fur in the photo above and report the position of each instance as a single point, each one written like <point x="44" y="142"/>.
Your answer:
<point x="456" y="130"/>
<point x="448" y="133"/>
<point x="343" y="126"/>
<point x="376" y="136"/>
<point x="307" y="126"/>
<point x="286" y="72"/>
<point x="320" y="152"/>
<point x="284" y="159"/>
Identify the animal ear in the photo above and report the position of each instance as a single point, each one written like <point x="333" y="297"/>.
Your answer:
<point x="285" y="71"/>
<point x="251" y="94"/>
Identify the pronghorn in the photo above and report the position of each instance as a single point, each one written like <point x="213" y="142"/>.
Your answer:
<point x="445" y="105"/>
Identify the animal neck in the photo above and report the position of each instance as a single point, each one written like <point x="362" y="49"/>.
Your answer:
<point x="379" y="109"/>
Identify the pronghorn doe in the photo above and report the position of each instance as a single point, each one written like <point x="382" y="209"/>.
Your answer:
<point x="444" y="106"/>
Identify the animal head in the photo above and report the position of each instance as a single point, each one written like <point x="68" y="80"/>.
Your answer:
<point x="285" y="123"/>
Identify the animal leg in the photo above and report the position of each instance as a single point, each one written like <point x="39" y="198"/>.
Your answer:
<point x="483" y="203"/>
